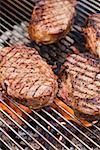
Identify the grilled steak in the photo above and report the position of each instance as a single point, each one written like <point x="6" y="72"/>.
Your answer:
<point x="92" y="34"/>
<point x="26" y="77"/>
<point x="80" y="83"/>
<point x="51" y="20"/>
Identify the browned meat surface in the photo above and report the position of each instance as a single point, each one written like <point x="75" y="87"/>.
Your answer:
<point x="26" y="77"/>
<point x="80" y="83"/>
<point x="92" y="34"/>
<point x="51" y="20"/>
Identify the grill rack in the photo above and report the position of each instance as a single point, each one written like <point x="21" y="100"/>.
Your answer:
<point x="21" y="11"/>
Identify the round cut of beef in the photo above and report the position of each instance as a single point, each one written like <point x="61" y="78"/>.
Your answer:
<point x="92" y="34"/>
<point x="51" y="20"/>
<point x="25" y="76"/>
<point x="79" y="84"/>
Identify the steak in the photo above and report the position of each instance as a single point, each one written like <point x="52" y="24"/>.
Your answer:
<point x="51" y="20"/>
<point x="26" y="77"/>
<point x="79" y="84"/>
<point x="92" y="34"/>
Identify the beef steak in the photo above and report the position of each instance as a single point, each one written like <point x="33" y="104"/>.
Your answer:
<point x="26" y="77"/>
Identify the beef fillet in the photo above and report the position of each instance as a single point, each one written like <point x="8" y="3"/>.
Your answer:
<point x="80" y="83"/>
<point x="51" y="20"/>
<point x="92" y="34"/>
<point x="26" y="77"/>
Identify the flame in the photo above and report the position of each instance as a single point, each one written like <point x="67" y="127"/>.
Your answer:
<point x="54" y="105"/>
<point x="19" y="112"/>
<point x="68" y="117"/>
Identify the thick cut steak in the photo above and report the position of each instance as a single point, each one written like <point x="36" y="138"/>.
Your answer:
<point x="80" y="83"/>
<point x="92" y="34"/>
<point x="26" y="77"/>
<point x="51" y="20"/>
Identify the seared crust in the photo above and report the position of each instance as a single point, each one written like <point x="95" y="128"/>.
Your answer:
<point x="26" y="77"/>
<point x="51" y="19"/>
<point x="80" y="84"/>
<point x="92" y="34"/>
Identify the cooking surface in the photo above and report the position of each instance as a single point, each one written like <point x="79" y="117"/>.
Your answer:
<point x="45" y="129"/>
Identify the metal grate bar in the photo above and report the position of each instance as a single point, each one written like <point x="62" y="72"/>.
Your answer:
<point x="67" y="38"/>
<point x="31" y="3"/>
<point x="12" y="20"/>
<point x="77" y="120"/>
<point x="76" y="128"/>
<point x="23" y="130"/>
<point x="49" y="124"/>
<point x="5" y="144"/>
<point x="10" y="138"/>
<point x="58" y="130"/>
<point x="43" y="127"/>
<point x="86" y="7"/>
<point x="12" y="14"/>
<point x="18" y="7"/>
<point x="22" y="5"/>
<point x="16" y="133"/>
<point x="81" y="123"/>
<point x="97" y="3"/>
<point x="9" y="26"/>
<point x="62" y="125"/>
<point x="4" y="40"/>
<point x="91" y="4"/>
<point x="49" y="132"/>
<point x="96" y="127"/>
<point x="28" y="125"/>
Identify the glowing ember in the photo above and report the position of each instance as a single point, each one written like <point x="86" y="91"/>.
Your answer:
<point x="63" y="109"/>
<point x="19" y="112"/>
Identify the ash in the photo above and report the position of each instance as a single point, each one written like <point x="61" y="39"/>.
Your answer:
<point x="54" y="56"/>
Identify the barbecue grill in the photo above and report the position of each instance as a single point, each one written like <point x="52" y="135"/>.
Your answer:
<point x="44" y="129"/>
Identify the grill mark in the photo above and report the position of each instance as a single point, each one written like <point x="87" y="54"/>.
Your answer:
<point x="93" y="58"/>
<point x="88" y="66"/>
<point x="13" y="58"/>
<point x="8" y="70"/>
<point x="89" y="56"/>
<point x="5" y="58"/>
<point x="85" y="76"/>
<point x="40" y="82"/>
<point x="49" y="2"/>
<point x="6" y="51"/>
<point x="95" y="19"/>
<point x="97" y="83"/>
<point x="47" y="15"/>
<point x="20" y="79"/>
<point x="76" y="93"/>
<point x="36" y="90"/>
<point x="8" y="58"/>
<point x="80" y="70"/>
<point x="50" y="7"/>
<point x="91" y="87"/>
<point x="80" y="58"/>
<point x="89" y="59"/>
<point x="50" y="22"/>
<point x="52" y="11"/>
<point x="29" y="87"/>
<point x="84" y="91"/>
<point x="16" y="90"/>
<point x="54" y="20"/>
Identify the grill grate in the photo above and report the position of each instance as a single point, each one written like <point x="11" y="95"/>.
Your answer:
<point x="47" y="128"/>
